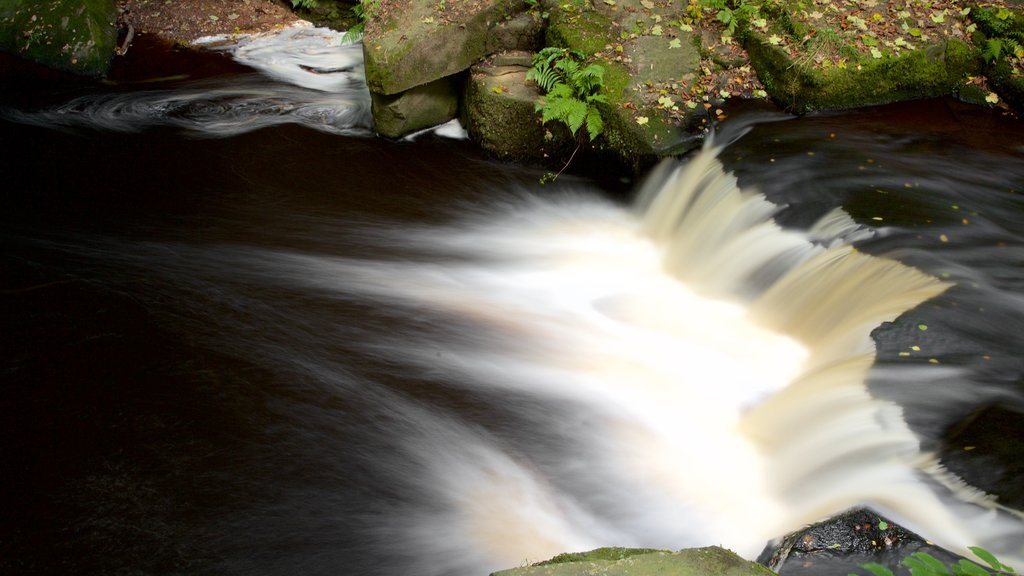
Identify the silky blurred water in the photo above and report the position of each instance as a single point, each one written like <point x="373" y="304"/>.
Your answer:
<point x="238" y="346"/>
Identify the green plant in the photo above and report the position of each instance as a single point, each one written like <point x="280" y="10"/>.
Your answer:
<point x="730" y="12"/>
<point x="571" y="91"/>
<point x="996" y="47"/>
<point x="363" y="10"/>
<point x="924" y="564"/>
<point x="308" y="4"/>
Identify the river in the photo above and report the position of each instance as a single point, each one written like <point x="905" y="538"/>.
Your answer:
<point x="243" y="335"/>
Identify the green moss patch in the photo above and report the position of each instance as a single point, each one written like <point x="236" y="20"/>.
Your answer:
<point x="644" y="562"/>
<point x="74" y="35"/>
<point x="824" y="55"/>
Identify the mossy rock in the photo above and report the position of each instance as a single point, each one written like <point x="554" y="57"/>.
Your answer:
<point x="420" y="44"/>
<point x="79" y="36"/>
<point x="499" y="114"/>
<point x="636" y="145"/>
<point x="936" y="70"/>
<point x="644" y="562"/>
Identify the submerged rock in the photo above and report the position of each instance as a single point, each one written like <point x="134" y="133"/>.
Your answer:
<point x="78" y="36"/>
<point x="644" y="562"/>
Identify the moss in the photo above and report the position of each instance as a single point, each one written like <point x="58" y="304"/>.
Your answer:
<point x="934" y="71"/>
<point x="587" y="31"/>
<point x="642" y="562"/>
<point x="74" y="35"/>
<point x="598" y="554"/>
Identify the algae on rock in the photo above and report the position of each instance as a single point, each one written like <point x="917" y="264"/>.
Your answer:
<point x="78" y="36"/>
<point x="644" y="562"/>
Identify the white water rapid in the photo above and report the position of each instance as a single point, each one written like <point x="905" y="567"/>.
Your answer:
<point x="547" y="371"/>
<point x="705" y="405"/>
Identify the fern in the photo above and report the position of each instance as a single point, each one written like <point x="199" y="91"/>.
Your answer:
<point x="571" y="92"/>
<point x="997" y="47"/>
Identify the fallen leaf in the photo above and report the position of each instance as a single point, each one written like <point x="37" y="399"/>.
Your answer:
<point x="641" y="120"/>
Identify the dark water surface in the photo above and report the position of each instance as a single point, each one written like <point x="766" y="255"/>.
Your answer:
<point x="207" y="369"/>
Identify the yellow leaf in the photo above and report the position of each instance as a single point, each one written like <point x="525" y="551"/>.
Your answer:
<point x="641" y="120"/>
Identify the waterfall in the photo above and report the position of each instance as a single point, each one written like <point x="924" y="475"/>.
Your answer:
<point x="542" y="372"/>
<point x="682" y="374"/>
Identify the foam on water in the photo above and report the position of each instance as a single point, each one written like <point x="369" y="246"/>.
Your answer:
<point x="720" y="409"/>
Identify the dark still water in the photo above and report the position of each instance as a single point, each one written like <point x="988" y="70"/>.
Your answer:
<point x="244" y="336"/>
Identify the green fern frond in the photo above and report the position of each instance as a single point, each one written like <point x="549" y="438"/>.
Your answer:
<point x="545" y="77"/>
<point x="595" y="124"/>
<point x="993" y="49"/>
<point x="568" y="68"/>
<point x="571" y="89"/>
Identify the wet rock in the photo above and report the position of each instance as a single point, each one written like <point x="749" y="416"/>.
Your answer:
<point x="842" y="543"/>
<point x="642" y="562"/>
<point x="415" y="109"/>
<point x="78" y="36"/>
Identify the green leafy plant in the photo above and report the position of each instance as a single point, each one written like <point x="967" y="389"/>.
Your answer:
<point x="571" y="91"/>
<point x="924" y="564"/>
<point x="363" y="10"/>
<point x="997" y="47"/>
<point x="730" y="12"/>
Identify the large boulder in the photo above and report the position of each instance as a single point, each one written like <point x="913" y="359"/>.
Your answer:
<point x="78" y="36"/>
<point x="408" y="53"/>
<point x="428" y="41"/>
<point x="816" y="59"/>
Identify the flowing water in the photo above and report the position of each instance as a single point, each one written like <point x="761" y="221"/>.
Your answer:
<point x="244" y="336"/>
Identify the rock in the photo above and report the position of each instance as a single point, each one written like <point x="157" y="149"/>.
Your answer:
<point x="844" y="542"/>
<point x="417" y="108"/>
<point x="522" y="32"/>
<point x="421" y="44"/>
<point x="78" y="36"/>
<point x="643" y="562"/>
<point x="812" y="67"/>
<point x="500" y="112"/>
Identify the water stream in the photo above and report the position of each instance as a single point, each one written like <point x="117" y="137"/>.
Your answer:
<point x="244" y="336"/>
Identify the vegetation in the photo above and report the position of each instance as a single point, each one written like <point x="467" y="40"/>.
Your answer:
<point x="924" y="564"/>
<point x="363" y="11"/>
<point x="571" y="90"/>
<point x="729" y="12"/>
